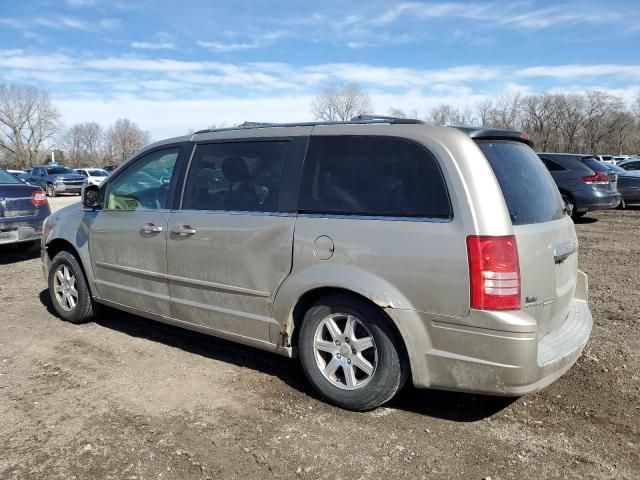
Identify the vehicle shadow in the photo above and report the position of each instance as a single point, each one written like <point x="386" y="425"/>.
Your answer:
<point x="16" y="253"/>
<point x="458" y="407"/>
<point x="585" y="220"/>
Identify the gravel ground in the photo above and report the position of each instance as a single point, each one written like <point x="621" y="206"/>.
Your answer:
<point x="128" y="398"/>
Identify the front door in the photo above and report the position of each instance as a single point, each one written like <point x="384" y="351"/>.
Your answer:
<point x="128" y="238"/>
<point x="229" y="247"/>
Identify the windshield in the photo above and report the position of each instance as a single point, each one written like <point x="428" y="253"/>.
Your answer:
<point x="6" y="177"/>
<point x="98" y="173"/>
<point x="58" y="170"/>
<point x="528" y="188"/>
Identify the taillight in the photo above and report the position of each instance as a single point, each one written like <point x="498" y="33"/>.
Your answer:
<point x="494" y="272"/>
<point x="597" y="178"/>
<point x="39" y="198"/>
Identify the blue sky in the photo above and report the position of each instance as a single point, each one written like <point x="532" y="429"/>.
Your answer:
<point x="173" y="66"/>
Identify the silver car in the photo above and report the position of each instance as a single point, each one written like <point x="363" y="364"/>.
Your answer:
<point x="376" y="251"/>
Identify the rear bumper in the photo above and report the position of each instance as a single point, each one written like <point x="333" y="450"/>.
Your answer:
<point x="508" y="358"/>
<point x="21" y="230"/>
<point x="60" y="188"/>
<point x="596" y="200"/>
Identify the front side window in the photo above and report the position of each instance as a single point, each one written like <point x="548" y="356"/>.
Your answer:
<point x="372" y="176"/>
<point x="236" y="176"/>
<point x="145" y="184"/>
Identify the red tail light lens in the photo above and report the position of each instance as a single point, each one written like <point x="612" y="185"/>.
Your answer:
<point x="39" y="198"/>
<point x="494" y="272"/>
<point x="597" y="178"/>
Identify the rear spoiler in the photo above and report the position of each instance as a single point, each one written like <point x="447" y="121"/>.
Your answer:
<point x="479" y="133"/>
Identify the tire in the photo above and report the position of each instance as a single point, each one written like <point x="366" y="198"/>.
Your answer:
<point x="362" y="389"/>
<point x="571" y="205"/>
<point x="83" y="308"/>
<point x="51" y="191"/>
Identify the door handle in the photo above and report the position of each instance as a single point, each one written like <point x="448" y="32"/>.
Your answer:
<point x="183" y="230"/>
<point x="150" y="228"/>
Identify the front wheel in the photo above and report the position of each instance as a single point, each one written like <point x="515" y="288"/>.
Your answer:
<point x="350" y="353"/>
<point x="51" y="191"/>
<point x="68" y="289"/>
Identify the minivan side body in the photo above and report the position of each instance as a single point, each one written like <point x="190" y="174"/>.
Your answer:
<point x="200" y="254"/>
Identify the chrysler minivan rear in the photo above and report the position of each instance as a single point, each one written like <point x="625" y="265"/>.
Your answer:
<point x="527" y="296"/>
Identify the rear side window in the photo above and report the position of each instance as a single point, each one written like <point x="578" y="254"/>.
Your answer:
<point x="373" y="176"/>
<point x="529" y="192"/>
<point x="595" y="165"/>
<point x="551" y="165"/>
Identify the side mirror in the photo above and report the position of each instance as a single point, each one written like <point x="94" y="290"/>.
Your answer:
<point x="91" y="197"/>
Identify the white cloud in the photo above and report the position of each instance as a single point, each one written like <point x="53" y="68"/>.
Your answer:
<point x="220" y="47"/>
<point x="153" y="45"/>
<point x="577" y="70"/>
<point x="80" y="3"/>
<point x="513" y="13"/>
<point x="60" y="22"/>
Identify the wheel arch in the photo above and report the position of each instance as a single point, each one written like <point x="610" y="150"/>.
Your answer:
<point x="310" y="297"/>
<point x="58" y="245"/>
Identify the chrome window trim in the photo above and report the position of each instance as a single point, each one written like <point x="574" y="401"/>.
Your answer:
<point x="389" y="218"/>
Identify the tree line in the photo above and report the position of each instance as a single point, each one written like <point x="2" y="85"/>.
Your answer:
<point x="31" y="127"/>
<point x="594" y="122"/>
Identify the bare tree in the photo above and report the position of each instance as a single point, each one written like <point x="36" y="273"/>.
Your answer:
<point x="540" y="118"/>
<point x="123" y="139"/>
<point x="28" y="120"/>
<point x="570" y="121"/>
<point x="506" y="113"/>
<point x="399" y="113"/>
<point x="341" y="103"/>
<point x="597" y="107"/>
<point x="622" y="124"/>
<point x="484" y="112"/>
<point x="84" y="144"/>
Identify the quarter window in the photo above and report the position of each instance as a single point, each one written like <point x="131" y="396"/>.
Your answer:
<point x="373" y="176"/>
<point x="235" y="176"/>
<point x="145" y="184"/>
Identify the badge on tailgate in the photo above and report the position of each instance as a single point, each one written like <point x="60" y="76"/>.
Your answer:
<point x="561" y="252"/>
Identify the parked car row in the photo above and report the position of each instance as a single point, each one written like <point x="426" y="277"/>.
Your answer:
<point x="587" y="183"/>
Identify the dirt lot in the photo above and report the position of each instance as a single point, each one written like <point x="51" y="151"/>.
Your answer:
<point x="127" y="398"/>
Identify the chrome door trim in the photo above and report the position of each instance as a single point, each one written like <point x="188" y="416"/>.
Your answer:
<point x="137" y="271"/>
<point x="376" y="217"/>
<point x="217" y="286"/>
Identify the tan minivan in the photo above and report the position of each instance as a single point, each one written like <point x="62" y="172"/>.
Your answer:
<point x="376" y="250"/>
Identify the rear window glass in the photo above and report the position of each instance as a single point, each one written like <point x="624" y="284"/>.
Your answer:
<point x="372" y="176"/>
<point x="6" y="177"/>
<point x="595" y="165"/>
<point x="528" y="189"/>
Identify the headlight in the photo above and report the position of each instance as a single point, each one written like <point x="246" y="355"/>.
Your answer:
<point x="58" y="180"/>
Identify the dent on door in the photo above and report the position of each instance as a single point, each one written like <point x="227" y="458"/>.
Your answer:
<point x="225" y="273"/>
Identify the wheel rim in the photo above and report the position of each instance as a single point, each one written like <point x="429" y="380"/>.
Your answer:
<point x="50" y="190"/>
<point x="345" y="351"/>
<point x="64" y="286"/>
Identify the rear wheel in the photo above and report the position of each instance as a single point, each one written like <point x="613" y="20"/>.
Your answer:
<point x="68" y="289"/>
<point x="622" y="204"/>
<point x="350" y="353"/>
<point x="51" y="191"/>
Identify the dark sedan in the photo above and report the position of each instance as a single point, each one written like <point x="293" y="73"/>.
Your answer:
<point x="628" y="185"/>
<point x="584" y="183"/>
<point x="23" y="209"/>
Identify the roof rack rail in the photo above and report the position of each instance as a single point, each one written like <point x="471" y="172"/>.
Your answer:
<point x="385" y="119"/>
<point x="359" y="119"/>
